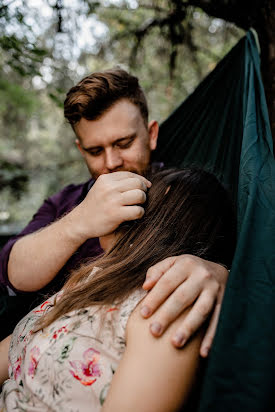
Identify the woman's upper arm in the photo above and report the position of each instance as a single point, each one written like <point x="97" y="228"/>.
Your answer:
<point x="153" y="375"/>
<point x="4" y="351"/>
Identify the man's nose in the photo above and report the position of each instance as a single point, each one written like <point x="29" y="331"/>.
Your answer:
<point x="113" y="159"/>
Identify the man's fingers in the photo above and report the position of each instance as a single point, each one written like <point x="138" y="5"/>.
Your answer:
<point x="161" y="291"/>
<point x="201" y="282"/>
<point x="210" y="333"/>
<point x="132" y="213"/>
<point x="211" y="330"/>
<point x="124" y="185"/>
<point x="124" y="175"/>
<point x="181" y="299"/>
<point x="133" y="197"/>
<point x="195" y="318"/>
<point x="154" y="273"/>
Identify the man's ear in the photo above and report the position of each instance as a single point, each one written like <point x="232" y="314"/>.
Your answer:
<point x="153" y="130"/>
<point x="78" y="144"/>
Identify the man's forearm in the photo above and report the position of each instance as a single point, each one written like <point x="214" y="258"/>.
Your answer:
<point x="36" y="258"/>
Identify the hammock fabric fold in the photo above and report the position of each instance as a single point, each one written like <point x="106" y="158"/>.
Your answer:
<point x="224" y="127"/>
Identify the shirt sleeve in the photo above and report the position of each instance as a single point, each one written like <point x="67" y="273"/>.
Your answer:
<point x="52" y="209"/>
<point x="44" y="216"/>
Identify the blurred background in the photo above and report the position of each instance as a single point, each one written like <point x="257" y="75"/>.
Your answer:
<point x="46" y="46"/>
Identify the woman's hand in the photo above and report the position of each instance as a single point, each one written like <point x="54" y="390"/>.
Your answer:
<point x="177" y="283"/>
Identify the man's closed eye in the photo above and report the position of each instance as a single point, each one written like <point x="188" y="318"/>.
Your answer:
<point x="125" y="143"/>
<point x="94" y="152"/>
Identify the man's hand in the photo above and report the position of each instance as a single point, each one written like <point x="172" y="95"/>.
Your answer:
<point x="113" y="199"/>
<point x="178" y="282"/>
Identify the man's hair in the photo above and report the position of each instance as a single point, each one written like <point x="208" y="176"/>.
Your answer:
<point x="186" y="212"/>
<point x="99" y="91"/>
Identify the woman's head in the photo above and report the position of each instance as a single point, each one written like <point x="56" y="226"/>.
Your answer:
<point x="186" y="212"/>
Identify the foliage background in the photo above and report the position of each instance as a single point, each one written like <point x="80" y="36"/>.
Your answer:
<point x="47" y="46"/>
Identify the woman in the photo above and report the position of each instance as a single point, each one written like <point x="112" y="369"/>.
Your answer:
<point x="64" y="353"/>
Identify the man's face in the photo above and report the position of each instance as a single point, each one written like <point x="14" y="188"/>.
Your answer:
<point x="118" y="140"/>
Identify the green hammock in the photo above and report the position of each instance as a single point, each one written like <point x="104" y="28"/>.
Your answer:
<point x="224" y="127"/>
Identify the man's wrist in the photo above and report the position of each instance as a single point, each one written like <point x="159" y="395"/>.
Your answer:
<point x="73" y="228"/>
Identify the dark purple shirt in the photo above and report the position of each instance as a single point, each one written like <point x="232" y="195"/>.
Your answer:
<point x="52" y="209"/>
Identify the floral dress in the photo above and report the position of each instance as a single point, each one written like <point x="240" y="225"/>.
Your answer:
<point x="70" y="364"/>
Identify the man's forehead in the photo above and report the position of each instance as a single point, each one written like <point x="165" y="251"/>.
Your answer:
<point x="99" y="137"/>
<point x="121" y="121"/>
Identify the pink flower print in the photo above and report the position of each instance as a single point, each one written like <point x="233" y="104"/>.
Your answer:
<point x="34" y="353"/>
<point x="17" y="368"/>
<point x="87" y="371"/>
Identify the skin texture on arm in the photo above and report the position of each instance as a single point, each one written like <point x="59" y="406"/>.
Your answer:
<point x="36" y="259"/>
<point x="4" y="350"/>
<point x="153" y="375"/>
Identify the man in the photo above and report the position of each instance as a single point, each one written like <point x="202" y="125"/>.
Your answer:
<point x="109" y="115"/>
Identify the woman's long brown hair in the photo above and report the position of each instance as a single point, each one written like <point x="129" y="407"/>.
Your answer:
<point x="187" y="211"/>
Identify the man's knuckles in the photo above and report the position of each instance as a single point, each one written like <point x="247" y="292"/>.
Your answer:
<point x="132" y="212"/>
<point x="134" y="196"/>
<point x="207" y="276"/>
<point x="186" y="260"/>
<point x="167" y="284"/>
<point x="138" y="183"/>
<point x="138" y="212"/>
<point x="152" y="272"/>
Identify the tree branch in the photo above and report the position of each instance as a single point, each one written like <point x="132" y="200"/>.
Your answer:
<point x="235" y="11"/>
